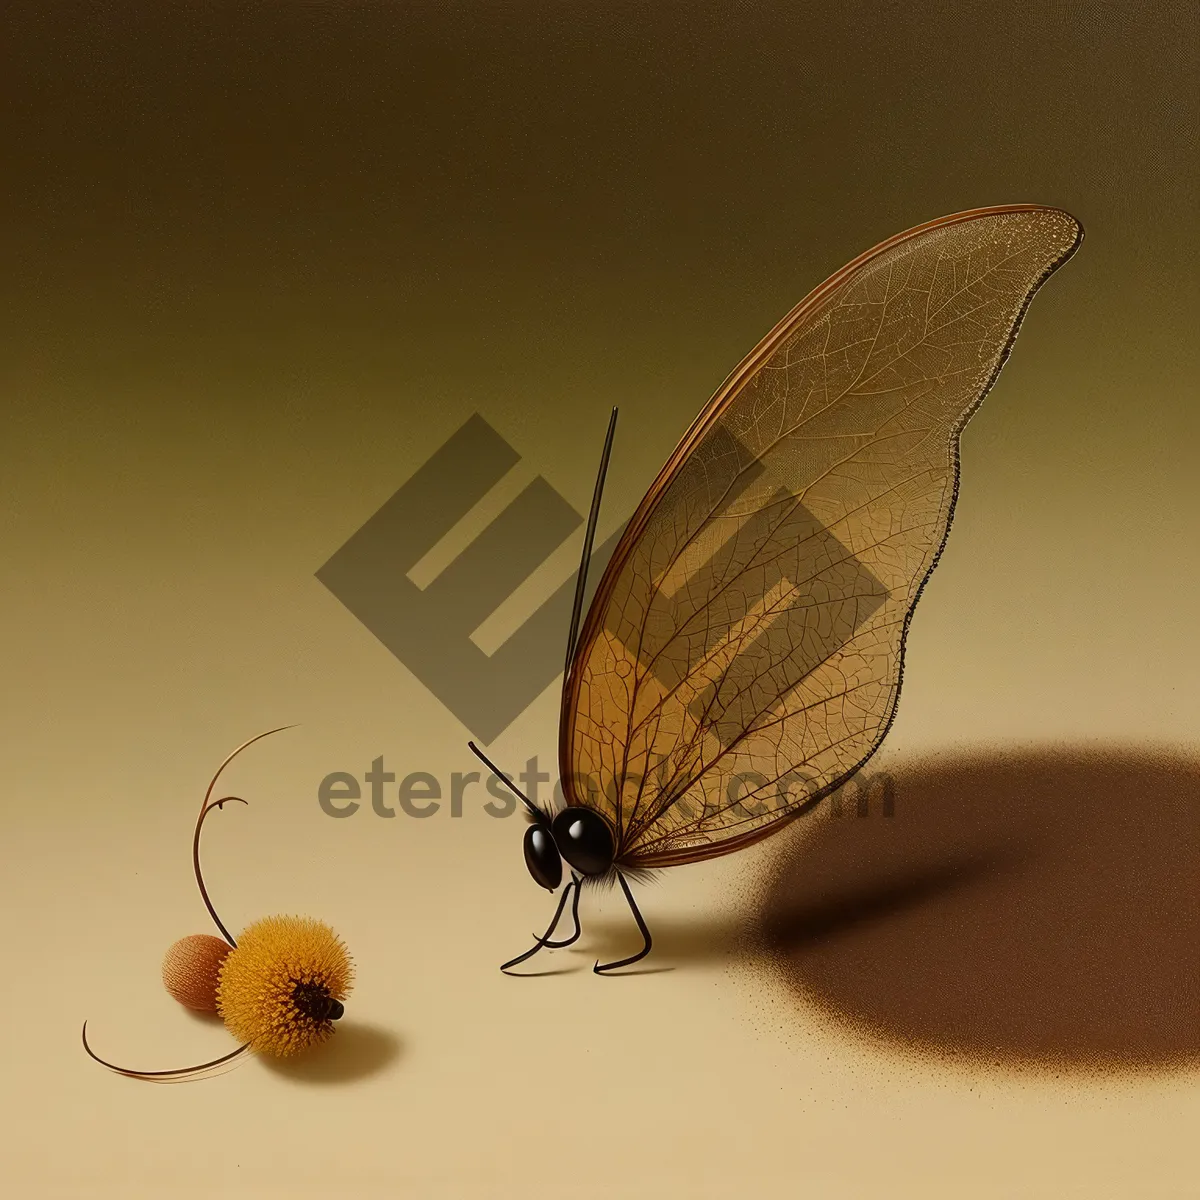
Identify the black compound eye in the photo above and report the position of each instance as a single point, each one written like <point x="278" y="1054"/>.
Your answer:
<point x="541" y="857"/>
<point x="584" y="840"/>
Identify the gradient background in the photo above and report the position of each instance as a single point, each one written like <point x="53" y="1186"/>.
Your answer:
<point x="259" y="262"/>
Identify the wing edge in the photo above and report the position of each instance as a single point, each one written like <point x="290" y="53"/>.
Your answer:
<point x="703" y="421"/>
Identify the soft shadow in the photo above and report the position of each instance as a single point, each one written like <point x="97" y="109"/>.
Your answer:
<point x="514" y="974"/>
<point x="677" y="941"/>
<point x="201" y="1018"/>
<point x="1036" y="908"/>
<point x="627" y="972"/>
<point x="354" y="1052"/>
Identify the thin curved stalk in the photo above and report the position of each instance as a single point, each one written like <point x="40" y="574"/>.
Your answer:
<point x="179" y="1072"/>
<point x="205" y="808"/>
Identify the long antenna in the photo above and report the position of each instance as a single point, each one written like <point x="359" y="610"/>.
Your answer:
<point x="588" y="538"/>
<point x="508" y="783"/>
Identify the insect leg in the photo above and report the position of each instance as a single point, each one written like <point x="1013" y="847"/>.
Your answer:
<point x="574" y="917"/>
<point x="637" y="916"/>
<point x="539" y="942"/>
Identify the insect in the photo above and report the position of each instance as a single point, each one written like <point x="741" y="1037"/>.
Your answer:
<point x="279" y="989"/>
<point x="743" y="653"/>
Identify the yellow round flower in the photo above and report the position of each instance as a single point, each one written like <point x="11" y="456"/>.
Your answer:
<point x="284" y="985"/>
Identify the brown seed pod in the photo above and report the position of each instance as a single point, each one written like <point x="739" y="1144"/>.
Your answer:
<point x="190" y="970"/>
<point x="279" y="991"/>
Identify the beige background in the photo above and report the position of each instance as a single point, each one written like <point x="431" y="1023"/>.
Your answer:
<point x="259" y="263"/>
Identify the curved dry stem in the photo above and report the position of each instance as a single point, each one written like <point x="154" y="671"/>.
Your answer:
<point x="212" y="912"/>
<point x="205" y="808"/>
<point x="179" y="1072"/>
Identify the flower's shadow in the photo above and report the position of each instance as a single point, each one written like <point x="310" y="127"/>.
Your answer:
<point x="354" y="1052"/>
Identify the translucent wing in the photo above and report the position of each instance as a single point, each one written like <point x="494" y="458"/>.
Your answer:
<point x="742" y="656"/>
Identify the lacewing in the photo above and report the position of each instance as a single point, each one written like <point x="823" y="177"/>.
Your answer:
<point x="743" y="653"/>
